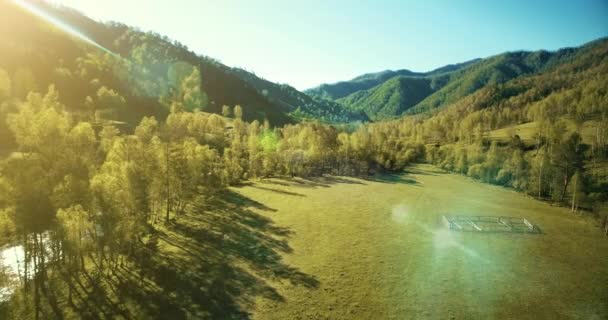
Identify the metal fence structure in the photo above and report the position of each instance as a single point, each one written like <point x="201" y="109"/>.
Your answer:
<point x="489" y="224"/>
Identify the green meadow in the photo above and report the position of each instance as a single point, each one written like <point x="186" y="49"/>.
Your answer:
<point x="376" y="249"/>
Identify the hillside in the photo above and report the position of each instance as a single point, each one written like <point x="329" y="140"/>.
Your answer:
<point x="117" y="73"/>
<point x="389" y="94"/>
<point x="298" y="104"/>
<point x="393" y="97"/>
<point x="367" y="81"/>
<point x="124" y="195"/>
<point x="537" y="133"/>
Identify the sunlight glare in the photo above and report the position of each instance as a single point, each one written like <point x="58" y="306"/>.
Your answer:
<point x="399" y="213"/>
<point x="446" y="239"/>
<point x="60" y="24"/>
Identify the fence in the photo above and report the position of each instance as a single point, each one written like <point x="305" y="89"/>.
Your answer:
<point x="489" y="224"/>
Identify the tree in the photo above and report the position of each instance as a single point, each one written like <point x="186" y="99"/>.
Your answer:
<point x="539" y="172"/>
<point x="107" y="135"/>
<point x="147" y="129"/>
<point x="567" y="158"/>
<point x="76" y="227"/>
<point x="226" y="112"/>
<point x="109" y="99"/>
<point x="238" y="112"/>
<point x="492" y="163"/>
<point x="461" y="160"/>
<point x="577" y="190"/>
<point x="514" y="171"/>
<point x="193" y="97"/>
<point x="40" y="122"/>
<point x="184" y="92"/>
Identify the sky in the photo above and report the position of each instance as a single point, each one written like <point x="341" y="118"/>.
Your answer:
<point x="306" y="43"/>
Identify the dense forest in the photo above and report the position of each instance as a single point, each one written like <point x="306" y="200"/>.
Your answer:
<point x="104" y="147"/>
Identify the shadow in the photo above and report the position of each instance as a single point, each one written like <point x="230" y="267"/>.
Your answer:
<point x="310" y="182"/>
<point x="539" y="230"/>
<point x="329" y="180"/>
<point x="414" y="170"/>
<point x="237" y="199"/>
<point x="279" y="191"/>
<point x="392" y="178"/>
<point x="212" y="262"/>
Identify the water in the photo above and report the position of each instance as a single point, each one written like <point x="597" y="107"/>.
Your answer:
<point x="11" y="265"/>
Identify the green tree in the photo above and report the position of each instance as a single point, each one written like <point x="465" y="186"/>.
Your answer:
<point x="238" y="112"/>
<point x="226" y="111"/>
<point x="567" y="158"/>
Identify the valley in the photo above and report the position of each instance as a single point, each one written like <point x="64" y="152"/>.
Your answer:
<point x="378" y="249"/>
<point x="146" y="178"/>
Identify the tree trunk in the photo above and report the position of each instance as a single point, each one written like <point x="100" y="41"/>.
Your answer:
<point x="540" y="179"/>
<point x="566" y="182"/>
<point x="167" y="183"/>
<point x="36" y="279"/>
<point x="574" y="193"/>
<point x="25" y="265"/>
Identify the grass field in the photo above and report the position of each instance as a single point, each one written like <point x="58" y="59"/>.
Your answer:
<point x="346" y="248"/>
<point x="375" y="249"/>
<point x="526" y="131"/>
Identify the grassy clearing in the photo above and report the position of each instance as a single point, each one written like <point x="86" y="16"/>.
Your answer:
<point x="526" y="131"/>
<point x="375" y="249"/>
<point x="346" y="248"/>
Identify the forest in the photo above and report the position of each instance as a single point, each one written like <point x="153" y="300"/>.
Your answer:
<point x="103" y="150"/>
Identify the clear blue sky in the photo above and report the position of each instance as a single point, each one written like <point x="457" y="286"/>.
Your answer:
<point x="309" y="42"/>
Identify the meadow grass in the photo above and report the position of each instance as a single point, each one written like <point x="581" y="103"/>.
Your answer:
<point x="351" y="248"/>
<point x="376" y="249"/>
<point x="527" y="131"/>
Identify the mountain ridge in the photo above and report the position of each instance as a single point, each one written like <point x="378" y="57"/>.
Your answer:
<point x="388" y="94"/>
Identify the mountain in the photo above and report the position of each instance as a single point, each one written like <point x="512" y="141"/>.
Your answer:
<point x="393" y="97"/>
<point x="370" y="80"/>
<point x="93" y="62"/>
<point x="298" y="104"/>
<point x="390" y="94"/>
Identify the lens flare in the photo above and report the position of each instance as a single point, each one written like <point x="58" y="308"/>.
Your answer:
<point x="399" y="214"/>
<point x="60" y="24"/>
<point x="445" y="239"/>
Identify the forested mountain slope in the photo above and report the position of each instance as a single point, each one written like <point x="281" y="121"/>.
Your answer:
<point x="561" y="158"/>
<point x="367" y="81"/>
<point x="121" y="74"/>
<point x="298" y="104"/>
<point x="136" y="66"/>
<point x="390" y="94"/>
<point x="124" y="197"/>
<point x="393" y="97"/>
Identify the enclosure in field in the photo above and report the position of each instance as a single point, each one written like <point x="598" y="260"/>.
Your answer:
<point x="489" y="224"/>
<point x="377" y="249"/>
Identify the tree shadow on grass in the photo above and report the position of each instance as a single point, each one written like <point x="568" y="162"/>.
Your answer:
<point x="393" y="178"/>
<point x="210" y="263"/>
<point x="424" y="172"/>
<point x="288" y="193"/>
<point x="324" y="181"/>
<point x="223" y="256"/>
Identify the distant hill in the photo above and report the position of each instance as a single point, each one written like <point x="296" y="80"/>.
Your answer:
<point x="390" y="94"/>
<point x="393" y="97"/>
<point x="568" y="86"/>
<point x="298" y="104"/>
<point x="367" y="81"/>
